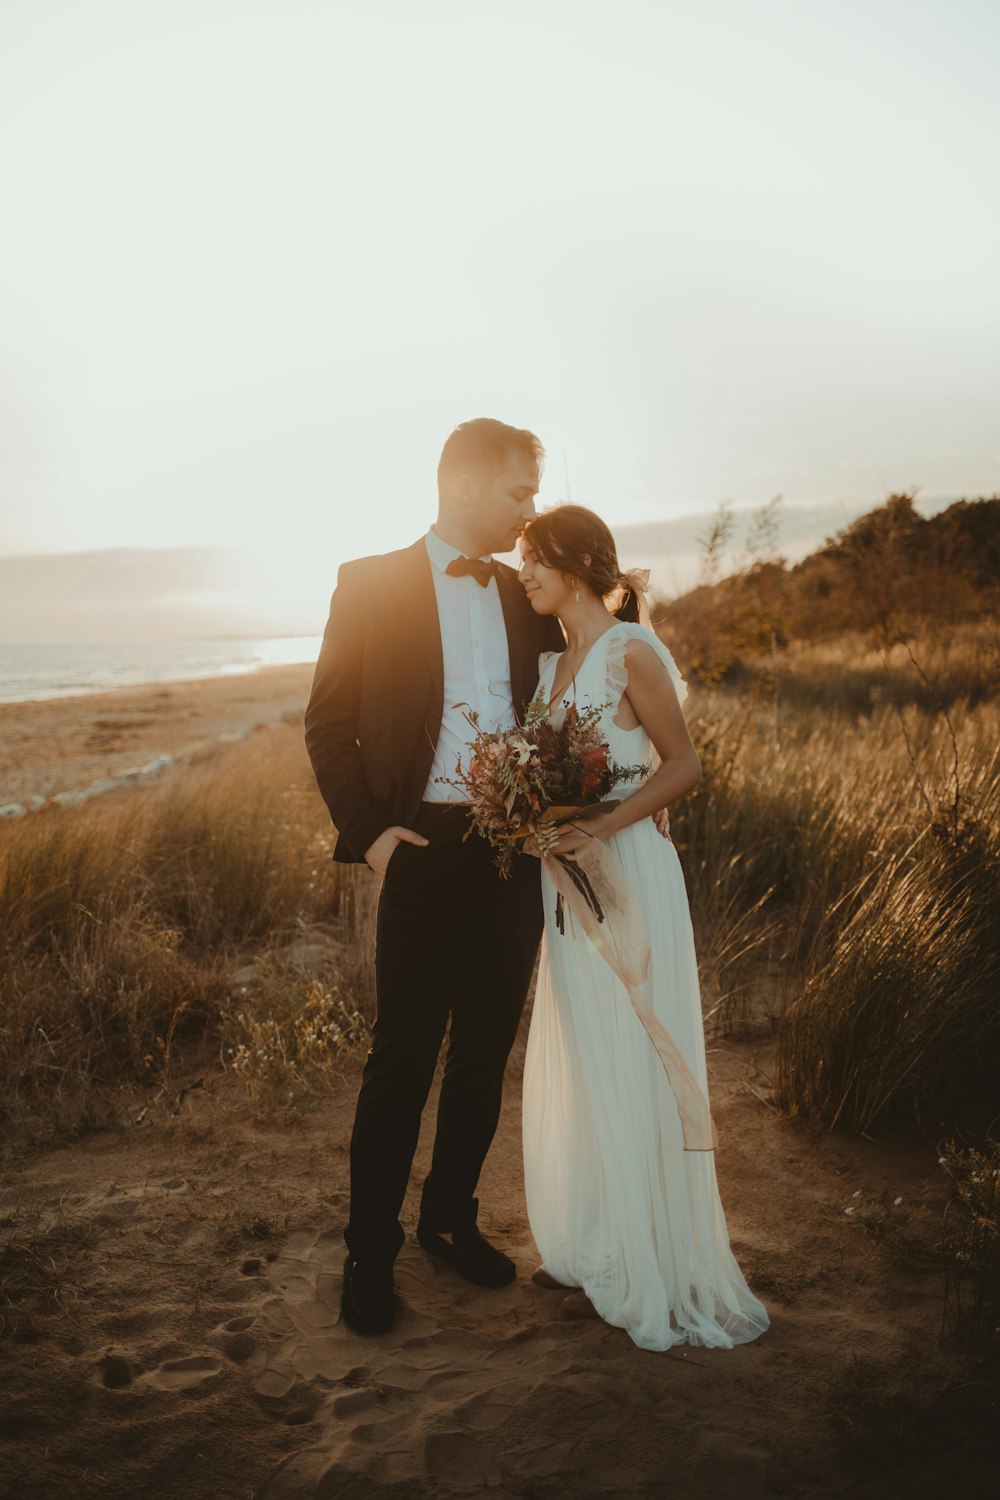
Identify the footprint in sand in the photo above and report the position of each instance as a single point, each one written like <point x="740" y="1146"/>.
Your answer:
<point x="349" y="1402"/>
<point x="190" y="1372"/>
<point x="118" y="1199"/>
<point x="115" y="1372"/>
<point x="237" y="1342"/>
<point x="274" y="1382"/>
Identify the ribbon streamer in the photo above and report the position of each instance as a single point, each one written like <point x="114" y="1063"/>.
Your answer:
<point x="605" y="907"/>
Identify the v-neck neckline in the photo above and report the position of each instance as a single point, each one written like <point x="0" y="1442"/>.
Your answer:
<point x="552" y="702"/>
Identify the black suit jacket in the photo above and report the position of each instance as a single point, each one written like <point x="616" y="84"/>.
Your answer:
<point x="374" y="713"/>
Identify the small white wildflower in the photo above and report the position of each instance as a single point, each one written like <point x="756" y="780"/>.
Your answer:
<point x="849" y="1209"/>
<point x="941" y="1161"/>
<point x="897" y="1201"/>
<point x="857" y="1194"/>
<point x="521" y="749"/>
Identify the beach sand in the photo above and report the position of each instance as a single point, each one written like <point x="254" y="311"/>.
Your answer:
<point x="194" y="1350"/>
<point x="66" y="744"/>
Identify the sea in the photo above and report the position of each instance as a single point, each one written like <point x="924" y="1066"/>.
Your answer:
<point x="29" y="672"/>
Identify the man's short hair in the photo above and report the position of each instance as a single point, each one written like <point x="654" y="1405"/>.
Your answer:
<point x="485" y="445"/>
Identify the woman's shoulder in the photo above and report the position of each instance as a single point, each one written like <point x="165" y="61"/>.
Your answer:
<point x="631" y="630"/>
<point x="625" y="635"/>
<point x="629" y="639"/>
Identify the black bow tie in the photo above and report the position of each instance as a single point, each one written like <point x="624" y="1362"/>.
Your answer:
<point x="474" y="567"/>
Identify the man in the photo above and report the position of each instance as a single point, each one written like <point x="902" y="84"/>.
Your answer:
<point x="417" y="639"/>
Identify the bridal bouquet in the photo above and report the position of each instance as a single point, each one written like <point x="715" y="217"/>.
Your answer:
<point x="524" y="781"/>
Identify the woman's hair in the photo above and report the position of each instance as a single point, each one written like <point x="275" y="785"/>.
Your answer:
<point x="578" y="543"/>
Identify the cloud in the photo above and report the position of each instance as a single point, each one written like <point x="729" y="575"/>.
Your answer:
<point x="131" y="594"/>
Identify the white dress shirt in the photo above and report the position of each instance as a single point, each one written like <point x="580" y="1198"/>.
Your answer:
<point x="476" y="664"/>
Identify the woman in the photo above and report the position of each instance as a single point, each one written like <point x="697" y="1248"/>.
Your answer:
<point x="619" y="1209"/>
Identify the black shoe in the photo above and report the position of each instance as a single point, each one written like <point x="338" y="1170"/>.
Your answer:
<point x="367" y="1303"/>
<point x="474" y="1257"/>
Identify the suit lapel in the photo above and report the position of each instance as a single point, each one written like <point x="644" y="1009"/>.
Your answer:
<point x="422" y="618"/>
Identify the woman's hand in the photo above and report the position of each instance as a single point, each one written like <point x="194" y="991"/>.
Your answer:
<point x="575" y="836"/>
<point x="662" y="821"/>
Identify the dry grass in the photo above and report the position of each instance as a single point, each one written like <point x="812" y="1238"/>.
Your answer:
<point x="285" y="1036"/>
<point x="847" y="870"/>
<point x="856" y="675"/>
<point x="887" y="1418"/>
<point x="904" y="1004"/>
<point x="37" y="1270"/>
<point x="124" y="919"/>
<point x="844" y="874"/>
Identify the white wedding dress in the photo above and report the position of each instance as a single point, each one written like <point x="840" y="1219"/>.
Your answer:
<point x="617" y="1207"/>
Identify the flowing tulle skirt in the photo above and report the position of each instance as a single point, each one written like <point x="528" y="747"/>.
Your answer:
<point x="616" y="1206"/>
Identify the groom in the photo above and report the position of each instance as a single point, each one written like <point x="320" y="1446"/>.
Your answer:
<point x="415" y="640"/>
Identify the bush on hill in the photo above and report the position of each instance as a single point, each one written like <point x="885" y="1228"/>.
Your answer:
<point x="891" y="573"/>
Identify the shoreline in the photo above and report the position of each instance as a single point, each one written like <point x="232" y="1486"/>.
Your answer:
<point x="40" y="672"/>
<point x="36" y="700"/>
<point x="60" y="694"/>
<point x="51" y="747"/>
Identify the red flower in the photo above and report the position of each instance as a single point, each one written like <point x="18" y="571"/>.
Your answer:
<point x="595" y="769"/>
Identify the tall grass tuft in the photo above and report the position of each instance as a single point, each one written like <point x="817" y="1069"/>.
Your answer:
<point x="857" y="861"/>
<point x="121" y="920"/>
<point x="906" y="1001"/>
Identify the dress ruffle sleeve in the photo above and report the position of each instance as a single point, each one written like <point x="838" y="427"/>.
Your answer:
<point x="616" y="671"/>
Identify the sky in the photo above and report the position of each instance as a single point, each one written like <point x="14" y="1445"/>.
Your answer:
<point x="257" y="259"/>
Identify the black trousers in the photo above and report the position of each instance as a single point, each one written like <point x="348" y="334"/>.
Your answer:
<point x="453" y="941"/>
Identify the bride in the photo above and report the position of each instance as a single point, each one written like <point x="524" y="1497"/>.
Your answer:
<point x="620" y="1210"/>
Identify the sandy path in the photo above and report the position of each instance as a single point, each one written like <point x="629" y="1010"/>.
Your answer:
<point x="64" y="744"/>
<point x="198" y="1351"/>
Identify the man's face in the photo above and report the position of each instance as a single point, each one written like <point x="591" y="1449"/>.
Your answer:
<point x="503" y="503"/>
